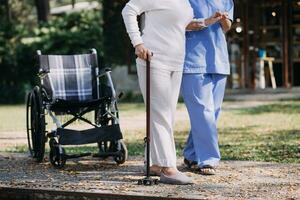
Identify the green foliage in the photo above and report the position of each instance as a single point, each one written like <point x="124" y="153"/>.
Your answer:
<point x="117" y="47"/>
<point x="69" y="34"/>
<point x="74" y="33"/>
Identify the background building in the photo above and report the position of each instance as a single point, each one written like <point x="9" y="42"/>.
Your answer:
<point x="73" y="26"/>
<point x="273" y="25"/>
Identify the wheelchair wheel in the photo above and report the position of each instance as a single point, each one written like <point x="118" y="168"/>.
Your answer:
<point x="35" y="121"/>
<point x="57" y="158"/>
<point x="103" y="120"/>
<point x="123" y="153"/>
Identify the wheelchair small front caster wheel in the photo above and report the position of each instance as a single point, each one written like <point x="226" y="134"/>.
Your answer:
<point x="57" y="158"/>
<point x="120" y="159"/>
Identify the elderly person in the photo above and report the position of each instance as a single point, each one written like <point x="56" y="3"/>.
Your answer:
<point x="164" y="38"/>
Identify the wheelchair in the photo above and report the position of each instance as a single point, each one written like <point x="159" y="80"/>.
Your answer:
<point x="73" y="85"/>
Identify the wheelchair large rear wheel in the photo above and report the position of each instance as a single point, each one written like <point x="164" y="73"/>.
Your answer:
<point x="35" y="121"/>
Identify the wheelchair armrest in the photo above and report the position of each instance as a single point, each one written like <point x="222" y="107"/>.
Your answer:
<point x="104" y="71"/>
<point x="42" y="73"/>
<point x="107" y="69"/>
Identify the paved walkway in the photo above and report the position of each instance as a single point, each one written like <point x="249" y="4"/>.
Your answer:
<point x="268" y="94"/>
<point x="234" y="179"/>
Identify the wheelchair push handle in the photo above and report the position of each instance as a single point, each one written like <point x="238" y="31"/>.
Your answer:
<point x="42" y="72"/>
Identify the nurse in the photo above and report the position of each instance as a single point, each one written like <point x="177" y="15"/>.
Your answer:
<point x="205" y="72"/>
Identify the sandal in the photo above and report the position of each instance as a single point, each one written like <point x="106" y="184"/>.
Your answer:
<point x="207" y="170"/>
<point x="189" y="164"/>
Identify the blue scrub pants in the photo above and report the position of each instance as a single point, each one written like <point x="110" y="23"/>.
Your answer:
<point x="203" y="96"/>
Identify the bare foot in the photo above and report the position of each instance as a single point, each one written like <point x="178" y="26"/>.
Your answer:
<point x="169" y="171"/>
<point x="155" y="169"/>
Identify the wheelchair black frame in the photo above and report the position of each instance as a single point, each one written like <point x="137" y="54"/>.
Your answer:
<point x="104" y="113"/>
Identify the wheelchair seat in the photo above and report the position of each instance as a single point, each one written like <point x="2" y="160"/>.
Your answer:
<point x="61" y="105"/>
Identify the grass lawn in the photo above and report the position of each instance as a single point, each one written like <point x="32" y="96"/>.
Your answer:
<point x="268" y="132"/>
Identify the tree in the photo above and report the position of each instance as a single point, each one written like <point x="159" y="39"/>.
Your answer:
<point x="117" y="47"/>
<point x="43" y="10"/>
<point x="5" y="3"/>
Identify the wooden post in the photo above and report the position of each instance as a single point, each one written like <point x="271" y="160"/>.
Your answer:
<point x="73" y="3"/>
<point x="262" y="79"/>
<point x="285" y="44"/>
<point x="255" y="26"/>
<point x="245" y="72"/>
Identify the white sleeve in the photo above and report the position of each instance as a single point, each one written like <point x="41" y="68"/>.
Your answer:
<point x="130" y="12"/>
<point x="201" y="22"/>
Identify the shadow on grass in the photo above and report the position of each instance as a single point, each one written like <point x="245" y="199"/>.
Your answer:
<point x="232" y="131"/>
<point x="278" y="146"/>
<point x="242" y="144"/>
<point x="270" y="152"/>
<point x="291" y="107"/>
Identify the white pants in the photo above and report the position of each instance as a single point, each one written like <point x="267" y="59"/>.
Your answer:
<point x="165" y="86"/>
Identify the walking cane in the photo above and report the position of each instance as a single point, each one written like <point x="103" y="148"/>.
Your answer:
<point x="147" y="180"/>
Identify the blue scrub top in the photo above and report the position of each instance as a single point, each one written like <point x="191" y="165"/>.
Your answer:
<point x="206" y="49"/>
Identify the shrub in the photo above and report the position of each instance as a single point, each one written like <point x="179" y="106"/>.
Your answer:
<point x="69" y="34"/>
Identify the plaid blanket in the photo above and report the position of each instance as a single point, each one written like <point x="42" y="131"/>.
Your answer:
<point x="70" y="77"/>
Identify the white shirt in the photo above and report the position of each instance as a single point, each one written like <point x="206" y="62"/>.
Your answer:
<point x="164" y="32"/>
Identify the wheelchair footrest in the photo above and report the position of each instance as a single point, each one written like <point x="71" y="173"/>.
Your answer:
<point x="94" y="135"/>
<point x="77" y="155"/>
<point x="106" y="154"/>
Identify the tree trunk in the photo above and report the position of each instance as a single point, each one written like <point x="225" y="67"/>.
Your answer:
<point x="43" y="10"/>
<point x="8" y="11"/>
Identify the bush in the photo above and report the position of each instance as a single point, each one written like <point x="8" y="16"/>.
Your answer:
<point x="117" y="47"/>
<point x="69" y="34"/>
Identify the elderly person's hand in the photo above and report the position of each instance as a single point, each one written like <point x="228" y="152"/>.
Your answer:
<point x="142" y="52"/>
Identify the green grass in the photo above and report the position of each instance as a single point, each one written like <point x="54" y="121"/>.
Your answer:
<point x="12" y="118"/>
<point x="263" y="133"/>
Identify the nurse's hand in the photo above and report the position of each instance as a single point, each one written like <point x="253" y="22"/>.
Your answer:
<point x="225" y="16"/>
<point x="142" y="52"/>
<point x="225" y="22"/>
<point x="214" y="19"/>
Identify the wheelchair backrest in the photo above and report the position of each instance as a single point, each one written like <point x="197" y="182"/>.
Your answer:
<point x="69" y="77"/>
